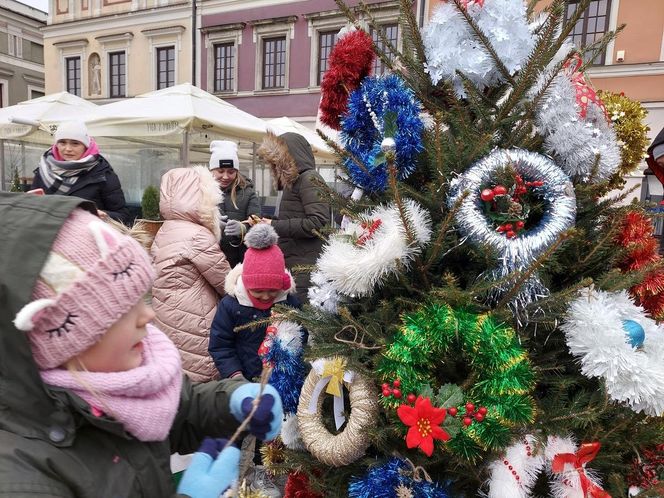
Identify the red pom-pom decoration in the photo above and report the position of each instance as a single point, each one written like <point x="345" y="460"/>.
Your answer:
<point x="351" y="60"/>
<point x="499" y="190"/>
<point x="487" y="195"/>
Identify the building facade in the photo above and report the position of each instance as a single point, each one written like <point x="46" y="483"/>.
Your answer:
<point x="267" y="57"/>
<point x="21" y="52"/>
<point x="103" y="50"/>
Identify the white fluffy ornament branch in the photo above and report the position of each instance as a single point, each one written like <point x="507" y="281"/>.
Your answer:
<point x="595" y="334"/>
<point x="353" y="269"/>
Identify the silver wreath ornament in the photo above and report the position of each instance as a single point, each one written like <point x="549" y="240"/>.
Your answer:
<point x="518" y="253"/>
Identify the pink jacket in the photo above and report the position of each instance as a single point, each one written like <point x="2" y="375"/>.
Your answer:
<point x="191" y="268"/>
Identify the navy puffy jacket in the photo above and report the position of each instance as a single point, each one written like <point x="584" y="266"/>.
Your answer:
<point x="238" y="351"/>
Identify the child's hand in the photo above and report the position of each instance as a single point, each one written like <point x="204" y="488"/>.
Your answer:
<point x="210" y="472"/>
<point x="266" y="422"/>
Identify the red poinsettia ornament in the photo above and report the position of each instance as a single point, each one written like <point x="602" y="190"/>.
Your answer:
<point x="424" y="421"/>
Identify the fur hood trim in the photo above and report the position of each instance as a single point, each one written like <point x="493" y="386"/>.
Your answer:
<point x="234" y="286"/>
<point x="274" y="151"/>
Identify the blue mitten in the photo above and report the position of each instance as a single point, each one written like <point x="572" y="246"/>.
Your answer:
<point x="266" y="422"/>
<point x="210" y="472"/>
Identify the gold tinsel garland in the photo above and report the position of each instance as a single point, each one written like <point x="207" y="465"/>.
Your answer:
<point x="351" y="443"/>
<point x="628" y="119"/>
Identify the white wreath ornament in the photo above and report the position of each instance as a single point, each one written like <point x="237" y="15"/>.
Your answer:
<point x="595" y="334"/>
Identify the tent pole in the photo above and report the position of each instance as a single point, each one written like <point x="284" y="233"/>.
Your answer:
<point x="253" y="165"/>
<point x="2" y="166"/>
<point x="185" y="149"/>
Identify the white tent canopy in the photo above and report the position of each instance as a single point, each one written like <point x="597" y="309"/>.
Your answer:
<point x="320" y="148"/>
<point x="170" y="112"/>
<point x="49" y="111"/>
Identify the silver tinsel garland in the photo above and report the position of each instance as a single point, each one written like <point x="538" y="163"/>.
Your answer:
<point x="516" y="254"/>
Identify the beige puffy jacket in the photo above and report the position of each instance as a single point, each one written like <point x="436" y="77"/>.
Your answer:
<point x="191" y="268"/>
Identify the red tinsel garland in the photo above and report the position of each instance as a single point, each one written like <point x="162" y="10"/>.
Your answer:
<point x="297" y="486"/>
<point x="642" y="250"/>
<point x="647" y="471"/>
<point x="351" y="60"/>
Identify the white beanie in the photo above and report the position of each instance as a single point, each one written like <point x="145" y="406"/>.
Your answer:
<point x="73" y="130"/>
<point x="224" y="155"/>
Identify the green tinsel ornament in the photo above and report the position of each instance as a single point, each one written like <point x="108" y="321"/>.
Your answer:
<point x="500" y="379"/>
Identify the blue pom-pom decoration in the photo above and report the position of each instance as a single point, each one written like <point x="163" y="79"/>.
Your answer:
<point x="635" y="333"/>
<point x="389" y="98"/>
<point x="381" y="481"/>
<point x="287" y="375"/>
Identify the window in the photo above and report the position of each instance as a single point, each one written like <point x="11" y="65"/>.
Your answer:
<point x="117" y="74"/>
<point x="224" y="62"/>
<point x="592" y="24"/>
<point x="165" y="67"/>
<point x="35" y="94"/>
<point x="73" y="67"/>
<point x="15" y="45"/>
<point x="274" y="62"/>
<point x="326" y="41"/>
<point x="391" y="32"/>
<point x="2" y="92"/>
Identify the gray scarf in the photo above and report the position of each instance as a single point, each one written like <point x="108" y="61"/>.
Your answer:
<point x="60" y="176"/>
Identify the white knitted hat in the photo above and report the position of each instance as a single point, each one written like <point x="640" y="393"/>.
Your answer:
<point x="224" y="155"/>
<point x="73" y="130"/>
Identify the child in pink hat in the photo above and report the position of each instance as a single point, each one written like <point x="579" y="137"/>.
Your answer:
<point x="93" y="393"/>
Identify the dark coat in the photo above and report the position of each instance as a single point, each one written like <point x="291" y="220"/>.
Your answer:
<point x="100" y="185"/>
<point x="238" y="351"/>
<point x="302" y="212"/>
<point x="248" y="203"/>
<point x="652" y="164"/>
<point x="50" y="444"/>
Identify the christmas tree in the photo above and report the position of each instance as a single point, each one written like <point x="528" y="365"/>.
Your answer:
<point x="484" y="319"/>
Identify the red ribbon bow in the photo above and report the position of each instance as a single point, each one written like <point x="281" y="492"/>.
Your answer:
<point x="586" y="453"/>
<point x="369" y="230"/>
<point x="584" y="91"/>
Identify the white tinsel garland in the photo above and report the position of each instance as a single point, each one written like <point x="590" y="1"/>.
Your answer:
<point x="322" y="293"/>
<point x="514" y="474"/>
<point x="451" y="45"/>
<point x="575" y="142"/>
<point x="353" y="269"/>
<point x="595" y="334"/>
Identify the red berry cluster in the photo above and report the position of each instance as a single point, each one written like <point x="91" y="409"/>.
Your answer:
<point x="396" y="391"/>
<point x="488" y="194"/>
<point x="511" y="230"/>
<point x="471" y="414"/>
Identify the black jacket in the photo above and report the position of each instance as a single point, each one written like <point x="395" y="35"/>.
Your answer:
<point x="248" y="203"/>
<point x="100" y="185"/>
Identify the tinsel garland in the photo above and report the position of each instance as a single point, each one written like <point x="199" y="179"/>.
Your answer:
<point x="502" y="373"/>
<point x="648" y="469"/>
<point x="394" y="479"/>
<point x="636" y="236"/>
<point x="615" y="341"/>
<point x="297" y="486"/>
<point x="452" y="46"/>
<point x="576" y="143"/>
<point x="628" y="118"/>
<point x="350" y="61"/>
<point x="381" y="108"/>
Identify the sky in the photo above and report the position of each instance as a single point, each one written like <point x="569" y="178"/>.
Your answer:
<point x="39" y="4"/>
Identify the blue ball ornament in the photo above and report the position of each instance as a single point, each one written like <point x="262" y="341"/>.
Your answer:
<point x="634" y="332"/>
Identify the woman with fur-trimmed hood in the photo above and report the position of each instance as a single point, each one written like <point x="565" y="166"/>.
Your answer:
<point x="191" y="268"/>
<point x="300" y="212"/>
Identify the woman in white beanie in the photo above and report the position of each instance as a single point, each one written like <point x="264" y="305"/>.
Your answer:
<point x="240" y="199"/>
<point x="73" y="166"/>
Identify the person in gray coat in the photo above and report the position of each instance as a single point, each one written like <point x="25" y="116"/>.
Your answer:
<point x="240" y="200"/>
<point x="300" y="213"/>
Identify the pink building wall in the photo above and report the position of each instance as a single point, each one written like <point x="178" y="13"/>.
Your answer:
<point x="276" y="104"/>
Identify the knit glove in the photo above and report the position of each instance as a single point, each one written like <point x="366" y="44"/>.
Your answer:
<point x="223" y="221"/>
<point x="212" y="470"/>
<point x="233" y="228"/>
<point x="266" y="422"/>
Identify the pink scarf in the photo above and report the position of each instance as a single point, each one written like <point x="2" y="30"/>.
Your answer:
<point x="144" y="400"/>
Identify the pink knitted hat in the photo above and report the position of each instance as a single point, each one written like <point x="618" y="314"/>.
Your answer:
<point x="264" y="266"/>
<point x="92" y="277"/>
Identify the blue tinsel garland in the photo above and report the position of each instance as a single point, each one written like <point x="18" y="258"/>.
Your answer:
<point x="381" y="481"/>
<point x="288" y="373"/>
<point x="386" y="96"/>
